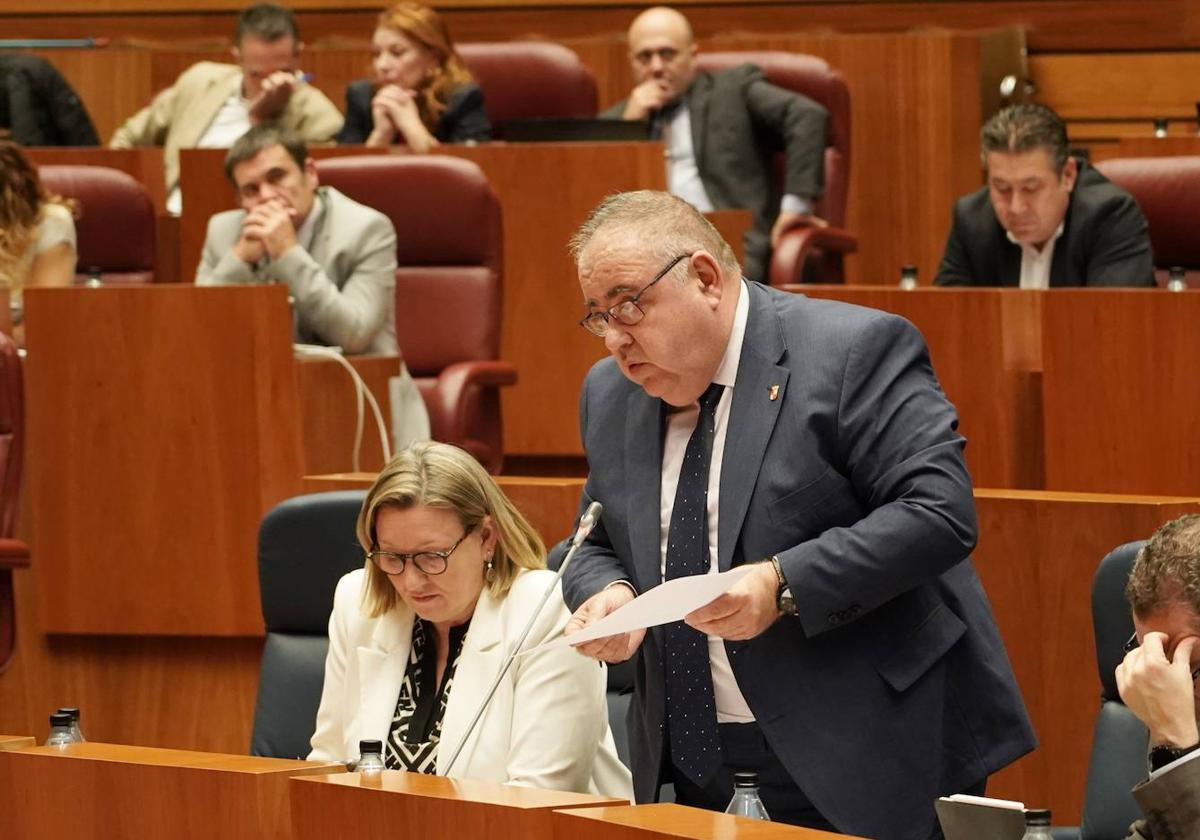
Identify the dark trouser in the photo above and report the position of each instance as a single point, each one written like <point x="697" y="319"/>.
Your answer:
<point x="745" y="749"/>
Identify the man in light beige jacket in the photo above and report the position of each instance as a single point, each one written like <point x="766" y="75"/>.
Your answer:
<point x="211" y="105"/>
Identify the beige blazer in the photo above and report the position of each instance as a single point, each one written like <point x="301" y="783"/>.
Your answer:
<point x="546" y="727"/>
<point x="179" y="115"/>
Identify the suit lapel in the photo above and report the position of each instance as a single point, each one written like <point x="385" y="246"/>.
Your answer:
<point x="643" y="466"/>
<point x="480" y="661"/>
<point x="751" y="418"/>
<point x="198" y="116"/>
<point x="381" y="666"/>
<point x="698" y="97"/>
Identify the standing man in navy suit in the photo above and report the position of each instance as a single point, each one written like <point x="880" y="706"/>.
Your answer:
<point x="857" y="668"/>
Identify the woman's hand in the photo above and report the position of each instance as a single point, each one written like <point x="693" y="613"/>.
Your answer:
<point x="397" y="119"/>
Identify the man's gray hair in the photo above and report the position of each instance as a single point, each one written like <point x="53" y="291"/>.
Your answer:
<point x="1167" y="569"/>
<point x="662" y="225"/>
<point x="260" y="138"/>
<point x="1023" y="128"/>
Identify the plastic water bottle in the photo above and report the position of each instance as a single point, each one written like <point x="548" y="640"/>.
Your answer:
<point x="73" y="711"/>
<point x="746" y="802"/>
<point x="60" y="731"/>
<point x="95" y="278"/>
<point x="1176" y="279"/>
<point x="908" y="277"/>
<point x="370" y="758"/>
<point x="1037" y="825"/>
<point x="1160" y="127"/>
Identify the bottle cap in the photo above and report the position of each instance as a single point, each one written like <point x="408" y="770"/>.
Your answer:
<point x="60" y="719"/>
<point x="1037" y="816"/>
<point x="73" y="711"/>
<point x="370" y="746"/>
<point x="745" y="779"/>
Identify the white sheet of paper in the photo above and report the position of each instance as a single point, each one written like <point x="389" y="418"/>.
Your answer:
<point x="667" y="602"/>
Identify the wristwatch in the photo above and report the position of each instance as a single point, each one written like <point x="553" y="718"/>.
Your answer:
<point x="784" y="601"/>
<point x="1163" y="754"/>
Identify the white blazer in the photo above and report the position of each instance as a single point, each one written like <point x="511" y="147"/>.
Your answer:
<point x="546" y="727"/>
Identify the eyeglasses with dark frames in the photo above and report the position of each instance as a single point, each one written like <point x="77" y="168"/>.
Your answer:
<point x="1133" y="644"/>
<point x="626" y="312"/>
<point x="429" y="562"/>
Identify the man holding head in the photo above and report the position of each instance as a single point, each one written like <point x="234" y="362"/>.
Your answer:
<point x="211" y="105"/>
<point x="336" y="256"/>
<point x="856" y="667"/>
<point x="712" y="123"/>
<point x="1045" y="219"/>
<point x="1158" y="679"/>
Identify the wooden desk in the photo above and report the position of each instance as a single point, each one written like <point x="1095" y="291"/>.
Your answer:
<point x="1122" y="406"/>
<point x="985" y="345"/>
<point x="328" y="413"/>
<point x="1158" y="146"/>
<point x="670" y="822"/>
<point x="396" y="804"/>
<point x="105" y="790"/>
<point x="17" y="742"/>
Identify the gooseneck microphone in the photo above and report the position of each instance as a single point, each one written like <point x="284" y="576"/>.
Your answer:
<point x="586" y="523"/>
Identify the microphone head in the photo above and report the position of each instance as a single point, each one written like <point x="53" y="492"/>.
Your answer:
<point x="587" y="522"/>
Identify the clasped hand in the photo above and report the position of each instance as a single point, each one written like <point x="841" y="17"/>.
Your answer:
<point x="743" y="612"/>
<point x="267" y="229"/>
<point x="393" y="109"/>
<point x="1160" y="691"/>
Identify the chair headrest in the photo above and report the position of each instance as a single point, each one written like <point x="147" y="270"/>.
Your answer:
<point x="1111" y="621"/>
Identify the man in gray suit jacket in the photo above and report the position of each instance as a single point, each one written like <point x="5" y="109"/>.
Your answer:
<point x="713" y="125"/>
<point x="336" y="256"/>
<point x="857" y="667"/>
<point x="1158" y="678"/>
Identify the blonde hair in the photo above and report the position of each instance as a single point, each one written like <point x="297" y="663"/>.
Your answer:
<point x="424" y="26"/>
<point x="443" y="476"/>
<point x="22" y="200"/>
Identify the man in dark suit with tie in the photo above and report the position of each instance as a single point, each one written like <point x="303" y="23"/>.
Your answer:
<point x="1044" y="219"/>
<point x="856" y="668"/>
<point x="714" y="125"/>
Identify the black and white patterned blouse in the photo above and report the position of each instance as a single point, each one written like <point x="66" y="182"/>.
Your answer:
<point x="416" y="730"/>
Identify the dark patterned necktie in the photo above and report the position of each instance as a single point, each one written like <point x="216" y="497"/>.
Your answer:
<point x="691" y="709"/>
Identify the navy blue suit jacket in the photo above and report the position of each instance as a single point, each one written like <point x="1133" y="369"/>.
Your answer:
<point x="891" y="687"/>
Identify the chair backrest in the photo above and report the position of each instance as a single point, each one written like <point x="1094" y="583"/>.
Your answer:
<point x="526" y="79"/>
<point x="114" y="224"/>
<point x="1168" y="191"/>
<point x="449" y="251"/>
<point x="813" y="77"/>
<point x="1119" y="740"/>
<point x="305" y="545"/>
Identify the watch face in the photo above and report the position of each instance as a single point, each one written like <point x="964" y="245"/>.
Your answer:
<point x="787" y="604"/>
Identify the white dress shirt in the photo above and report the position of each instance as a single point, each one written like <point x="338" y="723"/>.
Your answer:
<point x="731" y="705"/>
<point x="1035" y="264"/>
<point x="230" y="123"/>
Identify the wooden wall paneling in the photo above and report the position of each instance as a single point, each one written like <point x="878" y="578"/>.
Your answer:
<point x="113" y="84"/>
<point x="163" y="423"/>
<point x="985" y="346"/>
<point x="1158" y="146"/>
<point x="1037" y="554"/>
<point x="1108" y="85"/>
<point x="1122" y="410"/>
<point x="1054" y="25"/>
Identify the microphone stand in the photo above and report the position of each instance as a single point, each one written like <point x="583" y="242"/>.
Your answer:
<point x="586" y="523"/>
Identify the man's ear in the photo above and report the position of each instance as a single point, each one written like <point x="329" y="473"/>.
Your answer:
<point x="1070" y="173"/>
<point x="709" y="275"/>
<point x="310" y="171"/>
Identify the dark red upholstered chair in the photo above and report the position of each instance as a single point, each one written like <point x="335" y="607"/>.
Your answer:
<point x="114" y="224"/>
<point x="1168" y="191"/>
<point x="523" y="80"/>
<point x="14" y="554"/>
<point x="822" y="247"/>
<point x="449" y="286"/>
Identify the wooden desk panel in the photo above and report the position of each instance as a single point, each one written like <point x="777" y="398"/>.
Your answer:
<point x="669" y="821"/>
<point x="16" y="742"/>
<point x="985" y="345"/>
<point x="1036" y="556"/>
<point x="103" y="791"/>
<point x="397" y="804"/>
<point x="1122" y="406"/>
<point x="328" y="412"/>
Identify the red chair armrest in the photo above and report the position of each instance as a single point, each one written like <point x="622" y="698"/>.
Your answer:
<point x="453" y="382"/>
<point x="14" y="554"/>
<point x="797" y="243"/>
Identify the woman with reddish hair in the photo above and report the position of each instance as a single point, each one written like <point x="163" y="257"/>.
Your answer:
<point x="422" y="94"/>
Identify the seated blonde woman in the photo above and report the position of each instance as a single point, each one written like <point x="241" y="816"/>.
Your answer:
<point x="452" y="575"/>
<point x="422" y="94"/>
<point x="37" y="230"/>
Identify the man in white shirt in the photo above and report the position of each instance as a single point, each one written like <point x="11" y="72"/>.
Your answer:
<point x="710" y="124"/>
<point x="336" y="256"/>
<point x="1044" y="219"/>
<point x="211" y="105"/>
<point x="856" y="666"/>
<point x="1158" y="679"/>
